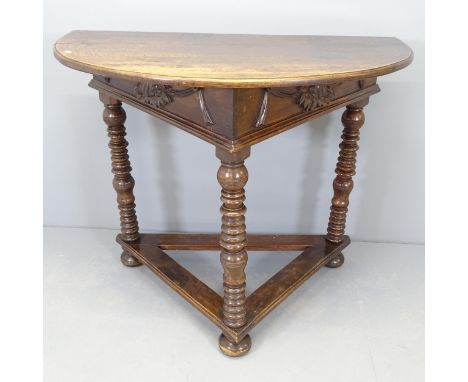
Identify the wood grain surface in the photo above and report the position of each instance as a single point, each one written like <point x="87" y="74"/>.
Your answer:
<point x="232" y="61"/>
<point x="259" y="303"/>
<point x="233" y="91"/>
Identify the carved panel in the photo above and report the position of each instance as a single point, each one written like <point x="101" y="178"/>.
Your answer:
<point x="162" y="95"/>
<point x="309" y="98"/>
<point x="159" y="95"/>
<point x="235" y="118"/>
<point x="204" y="109"/>
<point x="312" y="97"/>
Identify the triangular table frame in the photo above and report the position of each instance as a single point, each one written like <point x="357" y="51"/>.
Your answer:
<point x="317" y="251"/>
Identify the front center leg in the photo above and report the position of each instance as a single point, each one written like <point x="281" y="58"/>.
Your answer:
<point x="232" y="176"/>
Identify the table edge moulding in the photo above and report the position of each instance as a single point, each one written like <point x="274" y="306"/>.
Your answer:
<point x="232" y="91"/>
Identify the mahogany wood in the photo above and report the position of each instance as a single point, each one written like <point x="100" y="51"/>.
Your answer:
<point x="233" y="91"/>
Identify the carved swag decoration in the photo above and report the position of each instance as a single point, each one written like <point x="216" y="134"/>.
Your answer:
<point x="308" y="98"/>
<point x="162" y="95"/>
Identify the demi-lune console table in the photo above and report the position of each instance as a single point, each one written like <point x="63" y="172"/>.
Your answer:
<point x="233" y="91"/>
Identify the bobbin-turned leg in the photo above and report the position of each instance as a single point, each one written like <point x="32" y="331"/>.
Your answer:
<point x="114" y="116"/>
<point x="232" y="176"/>
<point x="353" y="119"/>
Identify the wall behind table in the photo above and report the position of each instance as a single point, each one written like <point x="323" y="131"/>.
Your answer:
<point x="290" y="175"/>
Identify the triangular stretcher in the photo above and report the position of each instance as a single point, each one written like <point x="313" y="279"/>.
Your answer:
<point x="149" y="250"/>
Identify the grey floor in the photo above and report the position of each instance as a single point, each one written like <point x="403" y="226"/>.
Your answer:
<point x="105" y="322"/>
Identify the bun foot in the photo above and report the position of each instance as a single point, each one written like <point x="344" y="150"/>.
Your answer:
<point x="336" y="261"/>
<point x="232" y="349"/>
<point x="129" y="260"/>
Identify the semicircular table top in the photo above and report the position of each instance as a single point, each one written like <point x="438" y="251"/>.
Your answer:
<point x="230" y="60"/>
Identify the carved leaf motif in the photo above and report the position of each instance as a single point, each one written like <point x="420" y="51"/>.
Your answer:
<point x="162" y="95"/>
<point x="154" y="94"/>
<point x="312" y="97"/>
<point x="307" y="97"/>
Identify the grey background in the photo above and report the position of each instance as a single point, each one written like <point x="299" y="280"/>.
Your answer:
<point x="290" y="175"/>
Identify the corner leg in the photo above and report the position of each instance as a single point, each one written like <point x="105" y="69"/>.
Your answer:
<point x="232" y="176"/>
<point x="352" y="119"/>
<point x="114" y="116"/>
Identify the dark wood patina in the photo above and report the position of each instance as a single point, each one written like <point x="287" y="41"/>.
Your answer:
<point x="233" y="91"/>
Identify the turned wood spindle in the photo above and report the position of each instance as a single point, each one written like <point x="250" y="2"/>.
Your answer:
<point x="232" y="177"/>
<point x="233" y="106"/>
<point x="114" y="116"/>
<point x="352" y="119"/>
